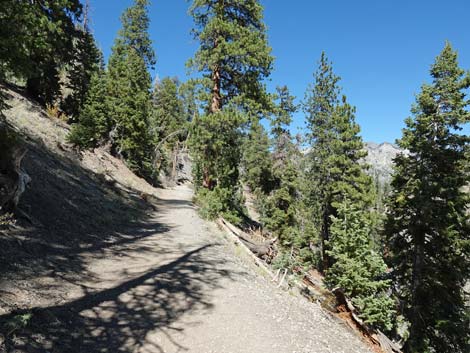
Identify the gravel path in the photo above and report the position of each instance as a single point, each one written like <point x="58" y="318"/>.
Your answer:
<point x="186" y="290"/>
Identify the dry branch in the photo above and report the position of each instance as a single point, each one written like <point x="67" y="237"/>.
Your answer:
<point x="234" y="235"/>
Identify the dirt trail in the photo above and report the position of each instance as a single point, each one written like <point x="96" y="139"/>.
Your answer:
<point x="101" y="271"/>
<point x="179" y="286"/>
<point x="185" y="290"/>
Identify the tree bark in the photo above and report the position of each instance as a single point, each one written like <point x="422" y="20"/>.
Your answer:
<point x="325" y="236"/>
<point x="216" y="103"/>
<point x="13" y="179"/>
<point x="416" y="323"/>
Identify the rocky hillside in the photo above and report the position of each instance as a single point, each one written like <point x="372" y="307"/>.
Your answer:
<point x="380" y="158"/>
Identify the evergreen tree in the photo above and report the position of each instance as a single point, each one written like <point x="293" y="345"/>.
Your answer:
<point x="168" y="123"/>
<point x="334" y="167"/>
<point x="428" y="227"/>
<point x="216" y="152"/>
<point x="128" y="88"/>
<point x="234" y="56"/>
<point x="87" y="61"/>
<point x="168" y="111"/>
<point x="357" y="268"/>
<point x="234" y="59"/>
<point x="94" y="122"/>
<point x="37" y="41"/>
<point x="279" y="208"/>
<point x="187" y="93"/>
<point x="256" y="159"/>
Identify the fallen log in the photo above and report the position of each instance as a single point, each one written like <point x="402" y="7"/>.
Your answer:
<point x="260" y="249"/>
<point x="229" y="230"/>
<point x="378" y="337"/>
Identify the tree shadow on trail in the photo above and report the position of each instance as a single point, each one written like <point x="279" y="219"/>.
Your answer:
<point x="122" y="318"/>
<point x="68" y="211"/>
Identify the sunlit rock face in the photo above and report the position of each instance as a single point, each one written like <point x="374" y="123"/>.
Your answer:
<point x="380" y="158"/>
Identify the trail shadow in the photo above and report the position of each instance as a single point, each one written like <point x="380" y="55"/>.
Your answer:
<point x="121" y="319"/>
<point x="69" y="211"/>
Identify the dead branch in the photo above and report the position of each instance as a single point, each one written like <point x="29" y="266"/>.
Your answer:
<point x="227" y="227"/>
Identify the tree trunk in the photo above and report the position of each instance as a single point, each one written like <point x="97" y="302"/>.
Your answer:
<point x="13" y="179"/>
<point x="325" y="236"/>
<point x="416" y="323"/>
<point x="216" y="104"/>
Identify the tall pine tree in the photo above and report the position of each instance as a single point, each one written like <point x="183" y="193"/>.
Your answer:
<point x="86" y="62"/>
<point x="168" y="110"/>
<point x="234" y="58"/>
<point x="94" y="121"/>
<point x="128" y="88"/>
<point x="333" y="167"/>
<point x="279" y="209"/>
<point x="256" y="159"/>
<point x="234" y="55"/>
<point x="428" y="225"/>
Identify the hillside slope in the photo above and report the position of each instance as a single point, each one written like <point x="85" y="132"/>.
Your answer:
<point x="102" y="262"/>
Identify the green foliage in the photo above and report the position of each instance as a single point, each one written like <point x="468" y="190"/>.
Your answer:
<point x="282" y="117"/>
<point x="215" y="147"/>
<point x="427" y="225"/>
<point x="128" y="90"/>
<point x="134" y="33"/>
<point x="256" y="160"/>
<point x="87" y="61"/>
<point x="37" y="41"/>
<point x="234" y="56"/>
<point x="118" y="105"/>
<point x="357" y="268"/>
<point x="220" y="201"/>
<point x="168" y="111"/>
<point x="173" y="108"/>
<point x="17" y="322"/>
<point x="333" y="163"/>
<point x="94" y="122"/>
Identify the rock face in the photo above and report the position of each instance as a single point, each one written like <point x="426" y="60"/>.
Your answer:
<point x="380" y="158"/>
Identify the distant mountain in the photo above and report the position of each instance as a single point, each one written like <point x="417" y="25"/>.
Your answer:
<point x="380" y="158"/>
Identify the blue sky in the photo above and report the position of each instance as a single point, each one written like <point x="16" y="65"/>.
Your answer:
<point x="382" y="49"/>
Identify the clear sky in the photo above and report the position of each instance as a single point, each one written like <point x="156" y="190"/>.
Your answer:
<point x="382" y="49"/>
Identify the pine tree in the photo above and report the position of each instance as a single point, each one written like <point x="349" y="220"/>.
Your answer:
<point x="87" y="61"/>
<point x="168" y="124"/>
<point x="128" y="88"/>
<point x="37" y="41"/>
<point x="279" y="208"/>
<point x="187" y="93"/>
<point x="234" y="56"/>
<point x="234" y="59"/>
<point x="357" y="268"/>
<point x="256" y="159"/>
<point x="334" y="167"/>
<point x="216" y="152"/>
<point x="94" y="122"/>
<point x="428" y="227"/>
<point x="168" y="111"/>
